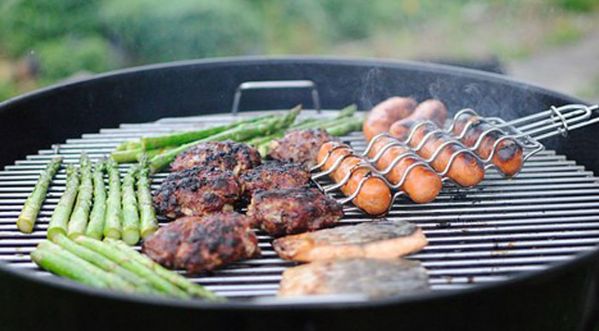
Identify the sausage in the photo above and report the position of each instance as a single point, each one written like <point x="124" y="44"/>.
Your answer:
<point x="374" y="197"/>
<point x="431" y="109"/>
<point x="466" y="169"/>
<point x="508" y="153"/>
<point x="384" y="114"/>
<point x="422" y="184"/>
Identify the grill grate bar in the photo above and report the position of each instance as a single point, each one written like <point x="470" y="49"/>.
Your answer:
<point x="549" y="213"/>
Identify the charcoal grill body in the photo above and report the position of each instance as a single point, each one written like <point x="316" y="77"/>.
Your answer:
<point x="560" y="298"/>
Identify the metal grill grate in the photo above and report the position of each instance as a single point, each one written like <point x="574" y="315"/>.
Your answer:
<point x="549" y="213"/>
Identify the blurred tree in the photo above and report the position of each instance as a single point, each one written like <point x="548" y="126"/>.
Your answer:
<point x="156" y="30"/>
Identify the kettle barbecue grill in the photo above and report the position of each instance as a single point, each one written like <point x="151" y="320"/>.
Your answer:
<point x="515" y="253"/>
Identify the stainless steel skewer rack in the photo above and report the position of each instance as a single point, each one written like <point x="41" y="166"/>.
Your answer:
<point x="525" y="131"/>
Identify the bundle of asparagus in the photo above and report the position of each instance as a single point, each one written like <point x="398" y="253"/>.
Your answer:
<point x="114" y="265"/>
<point x="125" y="211"/>
<point x="257" y="131"/>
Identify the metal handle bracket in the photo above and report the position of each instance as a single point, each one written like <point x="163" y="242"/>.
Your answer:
<point x="276" y="85"/>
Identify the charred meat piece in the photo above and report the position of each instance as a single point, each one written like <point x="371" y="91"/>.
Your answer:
<point x="225" y="155"/>
<point x="373" y="278"/>
<point x="288" y="211"/>
<point x="199" y="244"/>
<point x="299" y="146"/>
<point x="196" y="191"/>
<point x="273" y="175"/>
<point x="381" y="240"/>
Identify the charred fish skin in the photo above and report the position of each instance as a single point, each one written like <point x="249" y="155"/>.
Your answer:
<point x="273" y="175"/>
<point x="299" y="146"/>
<point x="373" y="278"/>
<point x="224" y="155"/>
<point x="288" y="211"/>
<point x="377" y="240"/>
<point x="196" y="191"/>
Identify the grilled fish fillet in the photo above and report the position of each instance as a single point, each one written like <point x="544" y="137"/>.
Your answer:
<point x="381" y="240"/>
<point x="374" y="278"/>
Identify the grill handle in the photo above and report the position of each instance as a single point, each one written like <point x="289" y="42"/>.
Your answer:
<point x="276" y="85"/>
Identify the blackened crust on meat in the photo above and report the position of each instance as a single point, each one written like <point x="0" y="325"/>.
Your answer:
<point x="163" y="244"/>
<point x="195" y="192"/>
<point x="218" y="239"/>
<point x="273" y="175"/>
<point x="224" y="155"/>
<point x="299" y="146"/>
<point x="199" y="244"/>
<point x="288" y="211"/>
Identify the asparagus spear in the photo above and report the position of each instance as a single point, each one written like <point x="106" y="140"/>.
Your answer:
<point x="112" y="217"/>
<point x="147" y="215"/>
<point x="130" y="211"/>
<point x="239" y="133"/>
<point x="344" y="113"/>
<point x="123" y="260"/>
<point x="129" y="144"/>
<point x="179" y="138"/>
<point x="345" y="127"/>
<point x="103" y="263"/>
<point x="80" y="215"/>
<point x="32" y="206"/>
<point x="173" y="277"/>
<point x="62" y="212"/>
<point x="96" y="218"/>
<point x="62" y="262"/>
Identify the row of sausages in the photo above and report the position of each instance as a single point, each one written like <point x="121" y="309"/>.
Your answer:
<point x="419" y="127"/>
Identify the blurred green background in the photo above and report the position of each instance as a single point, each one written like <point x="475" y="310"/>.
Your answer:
<point x="45" y="41"/>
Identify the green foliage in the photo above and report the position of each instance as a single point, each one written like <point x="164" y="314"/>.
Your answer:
<point x="25" y="23"/>
<point x="66" y="56"/>
<point x="578" y="5"/>
<point x="7" y="90"/>
<point x="156" y="30"/>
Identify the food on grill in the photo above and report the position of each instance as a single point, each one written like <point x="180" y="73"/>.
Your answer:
<point x="55" y="259"/>
<point x="295" y="210"/>
<point x="103" y="263"/>
<point x="147" y="214"/>
<point x="508" y="153"/>
<point x="428" y="110"/>
<point x="118" y="255"/>
<point x="239" y="133"/>
<point x="421" y="183"/>
<point x="196" y="191"/>
<point x="383" y="115"/>
<point x="130" y="208"/>
<point x="180" y="138"/>
<point x="299" y="146"/>
<point x="173" y="277"/>
<point x="224" y="155"/>
<point x="112" y="219"/>
<point x="62" y="211"/>
<point x="373" y="195"/>
<point x="205" y="243"/>
<point x="83" y="204"/>
<point x="34" y="202"/>
<point x="373" y="278"/>
<point x="465" y="169"/>
<point x="95" y="227"/>
<point x="379" y="240"/>
<point x="273" y="175"/>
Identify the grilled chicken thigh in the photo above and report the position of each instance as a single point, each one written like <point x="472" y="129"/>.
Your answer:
<point x="299" y="146"/>
<point x="288" y="211"/>
<point x="196" y="191"/>
<point x="199" y="244"/>
<point x="381" y="239"/>
<point x="373" y="278"/>
<point x="225" y="155"/>
<point x="273" y="175"/>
